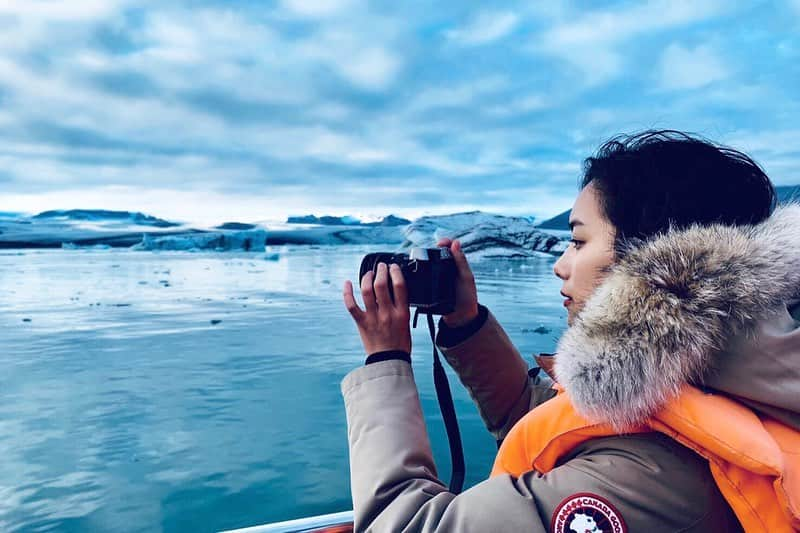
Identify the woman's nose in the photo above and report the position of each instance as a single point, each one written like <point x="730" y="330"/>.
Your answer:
<point x="560" y="268"/>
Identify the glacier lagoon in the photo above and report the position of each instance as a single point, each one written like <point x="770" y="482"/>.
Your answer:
<point x="174" y="391"/>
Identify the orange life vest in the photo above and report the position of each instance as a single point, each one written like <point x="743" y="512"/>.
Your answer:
<point x="755" y="460"/>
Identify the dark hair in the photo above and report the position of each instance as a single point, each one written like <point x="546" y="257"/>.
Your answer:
<point x="652" y="181"/>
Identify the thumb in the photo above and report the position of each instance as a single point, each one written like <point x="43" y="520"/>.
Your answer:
<point x="460" y="259"/>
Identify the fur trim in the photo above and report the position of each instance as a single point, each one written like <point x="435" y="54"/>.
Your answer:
<point x="669" y="307"/>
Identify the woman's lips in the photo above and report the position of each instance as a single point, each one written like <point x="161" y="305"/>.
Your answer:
<point x="567" y="299"/>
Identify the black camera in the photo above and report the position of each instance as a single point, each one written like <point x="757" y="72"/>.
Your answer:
<point x="430" y="275"/>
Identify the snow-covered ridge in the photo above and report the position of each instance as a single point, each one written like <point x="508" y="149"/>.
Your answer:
<point x="105" y="216"/>
<point x="485" y="235"/>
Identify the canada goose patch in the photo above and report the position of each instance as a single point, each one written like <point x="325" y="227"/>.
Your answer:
<point x="587" y="513"/>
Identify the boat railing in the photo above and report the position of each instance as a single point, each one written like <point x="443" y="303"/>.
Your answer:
<point x="328" y="523"/>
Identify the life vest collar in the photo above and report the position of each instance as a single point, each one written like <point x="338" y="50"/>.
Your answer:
<point x="755" y="461"/>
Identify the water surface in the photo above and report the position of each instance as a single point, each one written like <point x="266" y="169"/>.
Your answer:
<point x="196" y="392"/>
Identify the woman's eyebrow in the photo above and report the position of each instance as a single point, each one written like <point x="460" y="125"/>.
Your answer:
<point x="575" y="222"/>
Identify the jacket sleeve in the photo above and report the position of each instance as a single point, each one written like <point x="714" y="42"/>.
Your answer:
<point x="497" y="377"/>
<point x="395" y="487"/>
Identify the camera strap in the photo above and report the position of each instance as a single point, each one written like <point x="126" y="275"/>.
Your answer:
<point x="448" y="411"/>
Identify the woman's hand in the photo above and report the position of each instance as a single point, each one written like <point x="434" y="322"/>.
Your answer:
<point x="466" y="293"/>
<point x="384" y="325"/>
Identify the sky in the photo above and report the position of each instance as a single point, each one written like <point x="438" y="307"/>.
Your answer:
<point x="212" y="111"/>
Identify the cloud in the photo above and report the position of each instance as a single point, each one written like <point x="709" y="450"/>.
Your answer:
<point x="57" y="10"/>
<point x="778" y="151"/>
<point x="366" y="61"/>
<point x="690" y="68"/>
<point x="773" y="142"/>
<point x="317" y="8"/>
<point x="484" y="28"/>
<point x="614" y="26"/>
<point x="373" y="68"/>
<point x="458" y="95"/>
<point x="591" y="41"/>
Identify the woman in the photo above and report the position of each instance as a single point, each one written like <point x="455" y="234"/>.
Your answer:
<point x="676" y="405"/>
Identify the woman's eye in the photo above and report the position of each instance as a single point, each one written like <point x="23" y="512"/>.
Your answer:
<point x="576" y="243"/>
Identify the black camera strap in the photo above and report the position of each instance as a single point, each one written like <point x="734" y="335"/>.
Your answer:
<point x="448" y="411"/>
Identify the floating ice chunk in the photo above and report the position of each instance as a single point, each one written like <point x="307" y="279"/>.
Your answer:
<point x="247" y="241"/>
<point x="73" y="246"/>
<point x="541" y="330"/>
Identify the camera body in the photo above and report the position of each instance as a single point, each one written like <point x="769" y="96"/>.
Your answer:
<point x="430" y="275"/>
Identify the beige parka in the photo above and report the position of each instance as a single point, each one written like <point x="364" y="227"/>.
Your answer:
<point x="653" y="483"/>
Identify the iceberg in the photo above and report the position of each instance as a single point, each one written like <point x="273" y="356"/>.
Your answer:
<point x="390" y="220"/>
<point x="235" y="226"/>
<point x="223" y="241"/>
<point x="330" y="230"/>
<point x="73" y="246"/>
<point x="337" y="235"/>
<point x="347" y="220"/>
<point x="325" y="220"/>
<point x="485" y="235"/>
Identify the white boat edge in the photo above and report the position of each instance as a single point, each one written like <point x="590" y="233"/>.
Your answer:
<point x="300" y="524"/>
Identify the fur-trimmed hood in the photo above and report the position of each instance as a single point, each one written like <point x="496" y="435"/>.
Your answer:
<point x="704" y="305"/>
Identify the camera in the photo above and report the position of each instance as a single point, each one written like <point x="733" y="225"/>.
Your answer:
<point x="430" y="275"/>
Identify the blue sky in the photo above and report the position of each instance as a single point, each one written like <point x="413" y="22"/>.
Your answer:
<point x="208" y="111"/>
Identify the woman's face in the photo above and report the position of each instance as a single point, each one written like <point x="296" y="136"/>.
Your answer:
<point x="583" y="265"/>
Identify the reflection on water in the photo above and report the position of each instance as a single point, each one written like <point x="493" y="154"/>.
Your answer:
<point x="194" y="392"/>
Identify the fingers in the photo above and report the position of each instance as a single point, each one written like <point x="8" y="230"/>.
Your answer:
<point x="399" y="286"/>
<point x="382" y="288"/>
<point x="367" y="293"/>
<point x="350" y="302"/>
<point x="462" y="265"/>
<point x="444" y="241"/>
